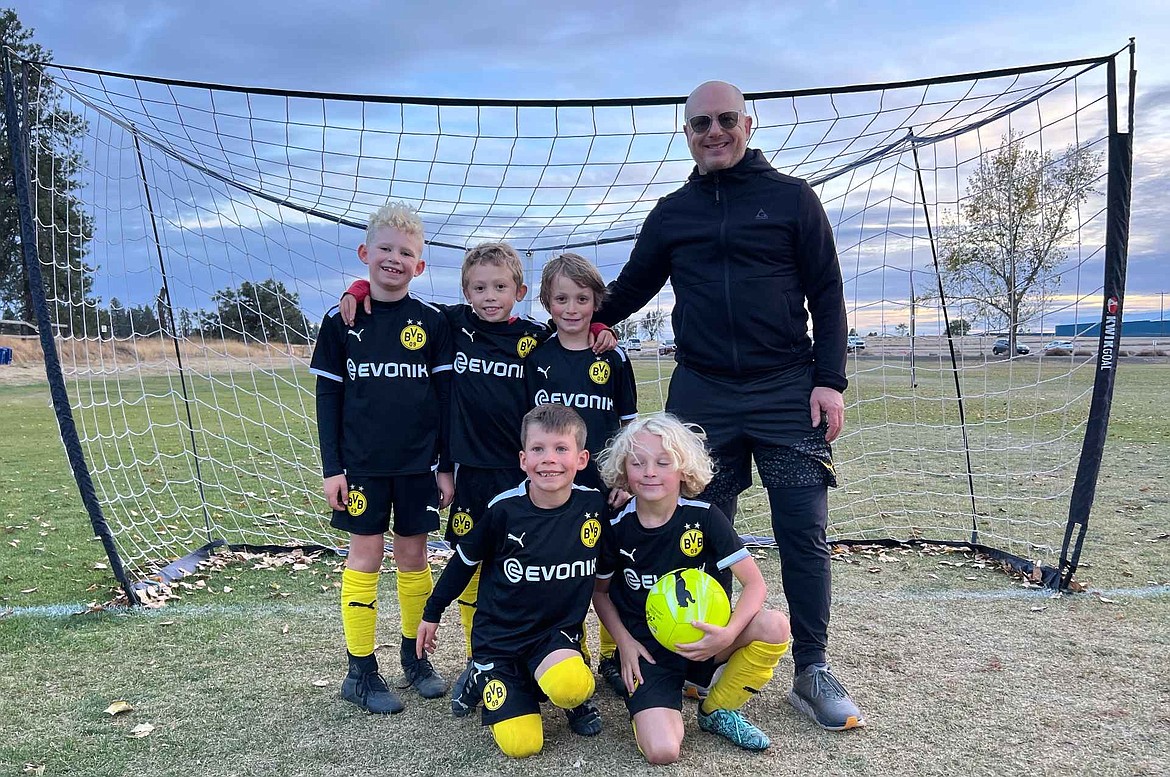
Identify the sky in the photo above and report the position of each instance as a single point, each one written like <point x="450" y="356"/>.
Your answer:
<point x="560" y="50"/>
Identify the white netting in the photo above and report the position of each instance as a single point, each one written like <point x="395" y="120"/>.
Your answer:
<point x="270" y="190"/>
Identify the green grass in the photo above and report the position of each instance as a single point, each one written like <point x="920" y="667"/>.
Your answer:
<point x="958" y="667"/>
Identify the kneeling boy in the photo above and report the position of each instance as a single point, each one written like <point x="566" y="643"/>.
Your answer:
<point x="537" y="548"/>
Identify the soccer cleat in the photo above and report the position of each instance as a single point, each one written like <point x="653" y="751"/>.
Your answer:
<point x="819" y="695"/>
<point x="585" y="719"/>
<point x="465" y="693"/>
<point x="365" y="687"/>
<point x="734" y="727"/>
<point x="420" y="675"/>
<point x="610" y="670"/>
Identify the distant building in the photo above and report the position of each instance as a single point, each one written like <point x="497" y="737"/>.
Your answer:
<point x="1128" y="329"/>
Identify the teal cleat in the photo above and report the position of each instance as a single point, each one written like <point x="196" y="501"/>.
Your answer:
<point x="729" y="724"/>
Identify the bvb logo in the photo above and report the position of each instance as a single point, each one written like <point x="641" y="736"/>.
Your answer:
<point x="413" y="337"/>
<point x="599" y="372"/>
<point x="525" y="346"/>
<point x="461" y="523"/>
<point x="356" y="504"/>
<point x="691" y="542"/>
<point x="590" y="532"/>
<point x="494" y="694"/>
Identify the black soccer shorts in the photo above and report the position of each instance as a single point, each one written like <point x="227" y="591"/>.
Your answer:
<point x="509" y="684"/>
<point x="763" y="417"/>
<point x="662" y="681"/>
<point x="413" y="500"/>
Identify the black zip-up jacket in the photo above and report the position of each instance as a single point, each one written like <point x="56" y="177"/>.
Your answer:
<point x="743" y="248"/>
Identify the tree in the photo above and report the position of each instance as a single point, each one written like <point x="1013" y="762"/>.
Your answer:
<point x="652" y="323"/>
<point x="186" y="323"/>
<point x="960" y="327"/>
<point x="66" y="229"/>
<point x="624" y="330"/>
<point x="265" y="312"/>
<point x="1001" y="251"/>
<point x="902" y="329"/>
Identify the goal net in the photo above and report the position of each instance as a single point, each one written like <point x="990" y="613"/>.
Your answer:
<point x="195" y="235"/>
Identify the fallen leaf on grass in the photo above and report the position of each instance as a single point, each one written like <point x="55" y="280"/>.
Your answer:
<point x="141" y="730"/>
<point x="28" y="591"/>
<point x="1039" y="609"/>
<point x="1106" y="600"/>
<point x="118" y="707"/>
<point x="321" y="683"/>
<point x="33" y="769"/>
<point x="284" y="629"/>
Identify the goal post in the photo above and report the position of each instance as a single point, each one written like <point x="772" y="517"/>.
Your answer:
<point x="183" y="240"/>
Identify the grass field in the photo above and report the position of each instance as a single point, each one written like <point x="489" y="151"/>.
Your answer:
<point x="958" y="667"/>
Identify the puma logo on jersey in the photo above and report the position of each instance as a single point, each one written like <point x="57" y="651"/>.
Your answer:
<point x="371" y="606"/>
<point x="544" y="371"/>
<point x="518" y="540"/>
<point x="357" y="333"/>
<point x="433" y="509"/>
<point x="470" y="335"/>
<point x="628" y="553"/>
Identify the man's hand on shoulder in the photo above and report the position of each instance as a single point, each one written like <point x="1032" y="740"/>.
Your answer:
<point x="829" y="404"/>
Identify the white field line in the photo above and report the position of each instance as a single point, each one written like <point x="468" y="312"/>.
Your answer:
<point x="263" y="608"/>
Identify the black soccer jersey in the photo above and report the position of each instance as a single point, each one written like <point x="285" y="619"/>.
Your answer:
<point x="537" y="570"/>
<point x="598" y="386"/>
<point x="488" y="397"/>
<point x="633" y="557"/>
<point x="378" y="406"/>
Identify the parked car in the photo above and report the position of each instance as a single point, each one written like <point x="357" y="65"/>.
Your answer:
<point x="633" y="344"/>
<point x="855" y="343"/>
<point x="1059" y="348"/>
<point x="1001" y="346"/>
<point x="666" y="346"/>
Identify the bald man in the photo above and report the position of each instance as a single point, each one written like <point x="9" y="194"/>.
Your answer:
<point x="746" y="249"/>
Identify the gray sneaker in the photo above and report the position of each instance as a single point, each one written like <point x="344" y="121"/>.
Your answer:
<point x="731" y="725"/>
<point x="819" y="695"/>
<point x="420" y="675"/>
<point x="369" y="691"/>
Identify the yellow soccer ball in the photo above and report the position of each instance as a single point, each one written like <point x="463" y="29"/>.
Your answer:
<point x="682" y="596"/>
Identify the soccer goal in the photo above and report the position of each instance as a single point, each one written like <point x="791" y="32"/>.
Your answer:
<point x="184" y="239"/>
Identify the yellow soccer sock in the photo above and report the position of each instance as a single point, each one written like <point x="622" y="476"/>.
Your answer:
<point x="413" y="590"/>
<point x="608" y="646"/>
<point x="359" y="610"/>
<point x="467" y="601"/>
<point x="567" y="683"/>
<point x="585" y="644"/>
<point x="748" y="670"/>
<point x="519" y="737"/>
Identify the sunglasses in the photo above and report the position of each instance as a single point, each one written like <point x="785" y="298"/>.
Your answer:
<point x="702" y="123"/>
